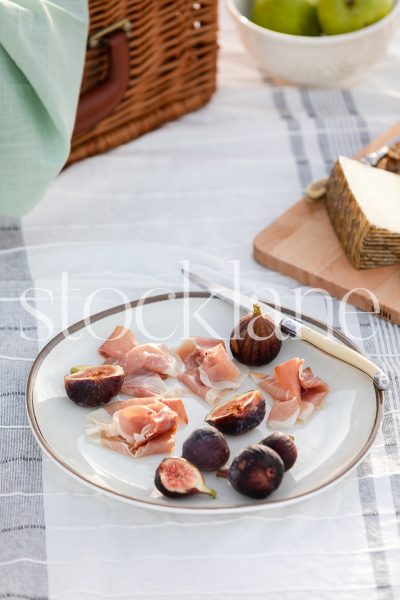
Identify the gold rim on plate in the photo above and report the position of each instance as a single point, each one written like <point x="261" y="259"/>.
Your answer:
<point x="173" y="507"/>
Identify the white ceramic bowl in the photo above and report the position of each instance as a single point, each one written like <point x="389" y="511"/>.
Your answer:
<point x="338" y="60"/>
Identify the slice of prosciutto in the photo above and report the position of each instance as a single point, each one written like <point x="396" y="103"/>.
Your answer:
<point x="209" y="370"/>
<point x="117" y="346"/>
<point x="144" y="383"/>
<point x="296" y="392"/>
<point x="147" y="383"/>
<point x="176" y="404"/>
<point x="314" y="390"/>
<point x="192" y="346"/>
<point x="122" y="348"/>
<point x="283" y="415"/>
<point x="152" y="357"/>
<point x="191" y="378"/>
<point x="138" y="426"/>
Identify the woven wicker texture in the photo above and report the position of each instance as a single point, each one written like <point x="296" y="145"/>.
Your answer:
<point x="173" y="51"/>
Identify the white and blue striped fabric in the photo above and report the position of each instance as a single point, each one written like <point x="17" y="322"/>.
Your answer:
<point x="198" y="189"/>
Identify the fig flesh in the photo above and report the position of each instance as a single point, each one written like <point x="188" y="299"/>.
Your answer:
<point x="176" y="478"/>
<point x="94" y="386"/>
<point x="206" y="448"/>
<point x="284" y="445"/>
<point x="239" y="415"/>
<point x="257" y="471"/>
<point x="254" y="341"/>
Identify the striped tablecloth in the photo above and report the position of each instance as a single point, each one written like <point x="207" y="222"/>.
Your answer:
<point x="197" y="189"/>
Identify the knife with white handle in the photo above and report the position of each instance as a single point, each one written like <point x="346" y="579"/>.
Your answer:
<point x="296" y="329"/>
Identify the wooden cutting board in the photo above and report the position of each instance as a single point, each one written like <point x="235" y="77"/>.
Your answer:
<point x="302" y="244"/>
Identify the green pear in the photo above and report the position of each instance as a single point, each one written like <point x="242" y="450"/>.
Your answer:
<point x="345" y="16"/>
<point x="296" y="17"/>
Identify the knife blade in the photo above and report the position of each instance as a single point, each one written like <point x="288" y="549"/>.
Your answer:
<point x="296" y="328"/>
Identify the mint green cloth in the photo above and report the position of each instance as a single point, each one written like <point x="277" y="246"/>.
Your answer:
<point x="42" y="50"/>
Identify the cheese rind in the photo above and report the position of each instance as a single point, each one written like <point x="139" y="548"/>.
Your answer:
<point x="363" y="204"/>
<point x="376" y="191"/>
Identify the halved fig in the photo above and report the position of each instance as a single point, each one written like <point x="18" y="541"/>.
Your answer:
<point x="176" y="477"/>
<point x="239" y="415"/>
<point x="256" y="471"/>
<point x="94" y="386"/>
<point x="206" y="448"/>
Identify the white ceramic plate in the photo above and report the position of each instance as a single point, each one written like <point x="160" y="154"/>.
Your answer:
<point x="333" y="441"/>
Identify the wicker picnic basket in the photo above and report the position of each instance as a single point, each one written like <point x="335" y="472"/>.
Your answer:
<point x="148" y="62"/>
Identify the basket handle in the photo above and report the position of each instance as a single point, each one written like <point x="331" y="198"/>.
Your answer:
<point x="97" y="103"/>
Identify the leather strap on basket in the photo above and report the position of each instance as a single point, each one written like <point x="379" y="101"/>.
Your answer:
<point x="100" y="101"/>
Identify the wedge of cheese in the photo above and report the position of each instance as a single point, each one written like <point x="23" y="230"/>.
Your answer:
<point x="363" y="204"/>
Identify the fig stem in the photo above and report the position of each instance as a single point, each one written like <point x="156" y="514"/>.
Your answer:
<point x="210" y="492"/>
<point x="223" y="473"/>
<point x="256" y="310"/>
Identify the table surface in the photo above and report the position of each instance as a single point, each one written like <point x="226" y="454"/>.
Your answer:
<point x="199" y="189"/>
